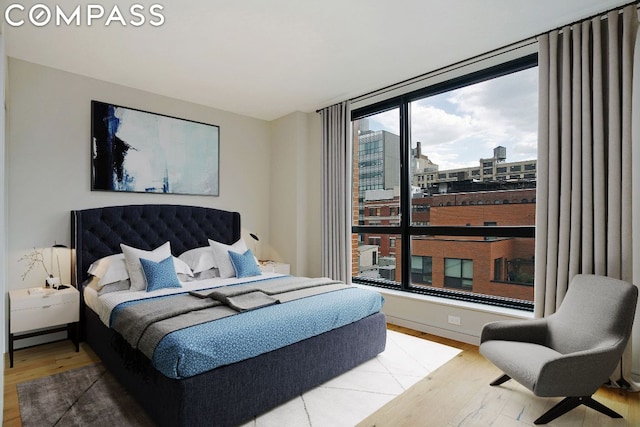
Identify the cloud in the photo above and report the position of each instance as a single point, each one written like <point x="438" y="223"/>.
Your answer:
<point x="459" y="127"/>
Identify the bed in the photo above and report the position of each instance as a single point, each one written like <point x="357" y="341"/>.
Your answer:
<point x="229" y="394"/>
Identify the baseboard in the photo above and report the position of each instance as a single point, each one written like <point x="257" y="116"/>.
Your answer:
<point x="441" y="332"/>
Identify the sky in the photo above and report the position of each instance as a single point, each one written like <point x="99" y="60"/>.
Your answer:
<point x="458" y="128"/>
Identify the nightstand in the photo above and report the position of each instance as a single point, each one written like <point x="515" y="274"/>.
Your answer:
<point x="39" y="311"/>
<point x="275" y="267"/>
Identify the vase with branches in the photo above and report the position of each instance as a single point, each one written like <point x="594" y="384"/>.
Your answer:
<point x="34" y="259"/>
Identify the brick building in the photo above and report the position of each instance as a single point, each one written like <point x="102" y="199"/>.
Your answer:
<point x="491" y="266"/>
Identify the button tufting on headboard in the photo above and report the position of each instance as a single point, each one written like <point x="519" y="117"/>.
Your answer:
<point x="98" y="232"/>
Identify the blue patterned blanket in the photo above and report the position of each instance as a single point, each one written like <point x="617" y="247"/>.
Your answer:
<point x="208" y="335"/>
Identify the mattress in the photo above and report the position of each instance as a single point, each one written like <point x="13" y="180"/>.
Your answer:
<point x="181" y="351"/>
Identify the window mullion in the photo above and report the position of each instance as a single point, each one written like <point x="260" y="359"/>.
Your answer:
<point x="405" y="192"/>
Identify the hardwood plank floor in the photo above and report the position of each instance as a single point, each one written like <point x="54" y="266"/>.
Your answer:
<point x="36" y="362"/>
<point x="457" y="394"/>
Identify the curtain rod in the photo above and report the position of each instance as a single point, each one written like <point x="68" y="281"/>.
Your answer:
<point x="446" y="68"/>
<point x="486" y="55"/>
<point x="602" y="15"/>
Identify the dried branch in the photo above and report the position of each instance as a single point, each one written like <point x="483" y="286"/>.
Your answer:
<point x="33" y="259"/>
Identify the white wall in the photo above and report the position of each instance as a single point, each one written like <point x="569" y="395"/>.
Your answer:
<point x="48" y="159"/>
<point x="431" y="315"/>
<point x="313" y="168"/>
<point x="295" y="192"/>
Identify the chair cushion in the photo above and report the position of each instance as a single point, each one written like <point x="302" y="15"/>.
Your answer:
<point x="520" y="360"/>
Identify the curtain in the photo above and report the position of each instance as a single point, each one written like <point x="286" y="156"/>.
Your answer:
<point x="583" y="211"/>
<point x="635" y="134"/>
<point x="336" y="192"/>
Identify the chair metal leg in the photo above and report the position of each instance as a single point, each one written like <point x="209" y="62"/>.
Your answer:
<point x="570" y="403"/>
<point x="504" y="378"/>
<point x="594" y="404"/>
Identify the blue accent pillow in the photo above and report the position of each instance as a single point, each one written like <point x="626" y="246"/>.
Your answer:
<point x="244" y="264"/>
<point x="160" y="275"/>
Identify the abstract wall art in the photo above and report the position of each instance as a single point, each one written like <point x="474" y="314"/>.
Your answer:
<point x="143" y="152"/>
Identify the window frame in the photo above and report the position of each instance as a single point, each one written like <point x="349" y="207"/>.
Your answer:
<point x="405" y="229"/>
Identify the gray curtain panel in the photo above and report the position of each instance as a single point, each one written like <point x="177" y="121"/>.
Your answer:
<point x="584" y="154"/>
<point x="584" y="212"/>
<point x="336" y="192"/>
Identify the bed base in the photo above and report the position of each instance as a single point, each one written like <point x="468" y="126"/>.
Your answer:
<point x="236" y="393"/>
<point x="229" y="395"/>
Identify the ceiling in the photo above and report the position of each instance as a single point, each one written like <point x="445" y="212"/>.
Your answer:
<point x="266" y="59"/>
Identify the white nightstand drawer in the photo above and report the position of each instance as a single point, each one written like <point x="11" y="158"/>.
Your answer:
<point x="29" y="311"/>
<point x="21" y="299"/>
<point x="43" y="317"/>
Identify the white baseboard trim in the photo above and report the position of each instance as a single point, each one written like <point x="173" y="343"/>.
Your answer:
<point x="441" y="332"/>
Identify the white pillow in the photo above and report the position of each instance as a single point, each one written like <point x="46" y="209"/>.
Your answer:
<point x="199" y="259"/>
<point x="182" y="267"/>
<point x="221" y="255"/>
<point x="132" y="258"/>
<point x="109" y="269"/>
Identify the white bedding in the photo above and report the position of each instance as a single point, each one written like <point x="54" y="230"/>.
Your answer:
<point x="103" y="304"/>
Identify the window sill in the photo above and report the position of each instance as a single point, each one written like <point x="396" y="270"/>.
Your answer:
<point x="484" y="308"/>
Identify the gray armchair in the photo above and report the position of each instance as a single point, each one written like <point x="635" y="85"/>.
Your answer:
<point x="570" y="353"/>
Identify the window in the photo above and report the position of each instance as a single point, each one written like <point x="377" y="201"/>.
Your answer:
<point x="438" y="242"/>
<point x="458" y="273"/>
<point x="421" y="270"/>
<point x="497" y="269"/>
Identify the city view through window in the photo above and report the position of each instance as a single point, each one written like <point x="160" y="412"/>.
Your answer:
<point x="472" y="162"/>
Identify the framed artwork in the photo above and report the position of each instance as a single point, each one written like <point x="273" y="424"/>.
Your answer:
<point x="142" y="152"/>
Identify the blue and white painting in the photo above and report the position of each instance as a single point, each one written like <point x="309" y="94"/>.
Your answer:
<point x="142" y="152"/>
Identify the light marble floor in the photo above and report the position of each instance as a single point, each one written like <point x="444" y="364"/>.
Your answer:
<point x="351" y="397"/>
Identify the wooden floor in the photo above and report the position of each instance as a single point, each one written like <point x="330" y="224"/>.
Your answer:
<point x="37" y="362"/>
<point x="457" y="394"/>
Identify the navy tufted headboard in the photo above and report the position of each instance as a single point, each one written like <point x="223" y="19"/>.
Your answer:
<point x="98" y="232"/>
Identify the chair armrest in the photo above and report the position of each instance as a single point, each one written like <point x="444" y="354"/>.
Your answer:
<point x="580" y="373"/>
<point x="525" y="330"/>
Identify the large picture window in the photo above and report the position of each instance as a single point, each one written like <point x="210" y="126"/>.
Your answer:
<point x="446" y="175"/>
